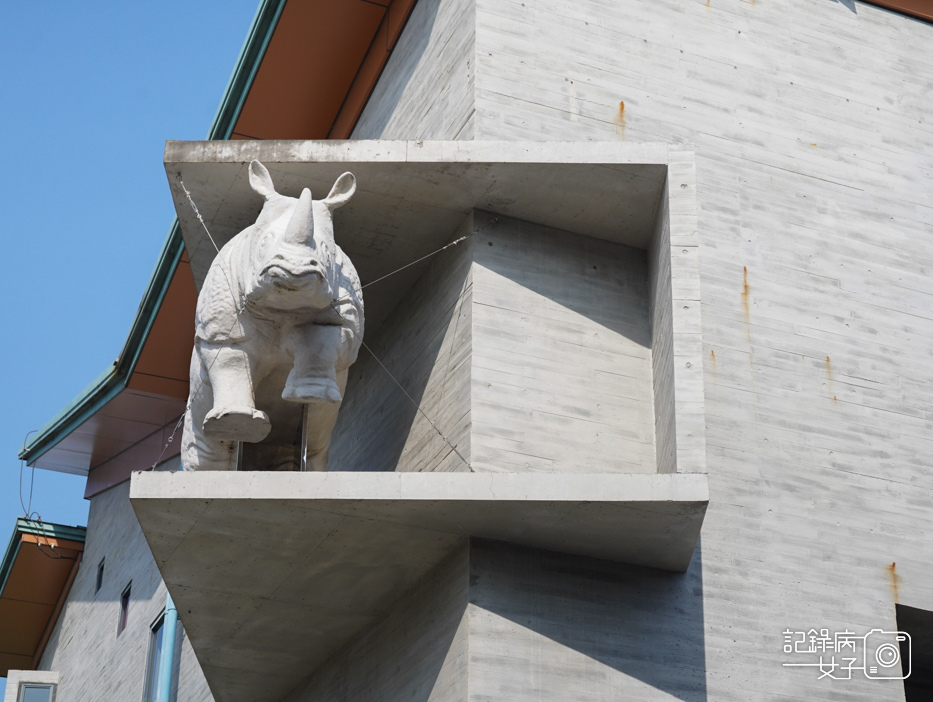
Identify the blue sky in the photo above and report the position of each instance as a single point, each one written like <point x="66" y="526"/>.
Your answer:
<point x="89" y="93"/>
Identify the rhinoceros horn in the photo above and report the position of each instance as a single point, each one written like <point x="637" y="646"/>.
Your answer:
<point x="300" y="229"/>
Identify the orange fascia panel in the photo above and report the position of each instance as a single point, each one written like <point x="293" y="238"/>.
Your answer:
<point x="917" y="8"/>
<point x="309" y="65"/>
<point x="40" y="570"/>
<point x="36" y="586"/>
<point x="371" y="69"/>
<point x="320" y="68"/>
<point x="162" y="367"/>
<point x="399" y="11"/>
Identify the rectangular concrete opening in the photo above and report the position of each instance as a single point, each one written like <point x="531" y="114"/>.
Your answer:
<point x="582" y="369"/>
<point x="526" y="347"/>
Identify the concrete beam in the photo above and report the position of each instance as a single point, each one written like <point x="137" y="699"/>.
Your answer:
<point x="327" y="553"/>
<point x="412" y="195"/>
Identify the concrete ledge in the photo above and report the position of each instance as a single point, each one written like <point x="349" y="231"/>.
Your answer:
<point x="242" y="553"/>
<point x="644" y="519"/>
<point x="413" y="195"/>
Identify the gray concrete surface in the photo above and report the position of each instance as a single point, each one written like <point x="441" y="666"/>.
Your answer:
<point x="93" y="660"/>
<point x="560" y="352"/>
<point x="427" y="84"/>
<point x="413" y="198"/>
<point x="417" y="652"/>
<point x="529" y="350"/>
<point x="814" y="178"/>
<point x="426" y="346"/>
<point x="495" y="621"/>
<point x="330" y="553"/>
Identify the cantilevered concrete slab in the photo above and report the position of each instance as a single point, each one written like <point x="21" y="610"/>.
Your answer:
<point x="412" y="195"/>
<point x="273" y="572"/>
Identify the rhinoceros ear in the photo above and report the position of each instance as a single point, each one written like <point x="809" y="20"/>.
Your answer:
<point x="260" y="180"/>
<point x="342" y="191"/>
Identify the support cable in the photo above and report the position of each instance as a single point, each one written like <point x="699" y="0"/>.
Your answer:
<point x="241" y="308"/>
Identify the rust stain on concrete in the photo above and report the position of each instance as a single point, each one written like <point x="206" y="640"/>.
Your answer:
<point x="829" y="378"/>
<point x="620" y="119"/>
<point x="712" y="355"/>
<point x="895" y="580"/>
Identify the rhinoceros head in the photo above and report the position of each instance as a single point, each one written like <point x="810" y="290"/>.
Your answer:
<point x="292" y="251"/>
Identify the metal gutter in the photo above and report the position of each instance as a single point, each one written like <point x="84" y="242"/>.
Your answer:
<point x="241" y="80"/>
<point x="114" y="380"/>
<point x="167" y="659"/>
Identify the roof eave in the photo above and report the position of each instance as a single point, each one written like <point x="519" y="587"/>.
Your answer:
<point x="114" y="380"/>
<point x="43" y="529"/>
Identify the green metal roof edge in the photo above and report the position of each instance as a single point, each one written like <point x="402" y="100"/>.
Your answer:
<point x="251" y="55"/>
<point x="113" y="380"/>
<point x="101" y="390"/>
<point x="30" y="526"/>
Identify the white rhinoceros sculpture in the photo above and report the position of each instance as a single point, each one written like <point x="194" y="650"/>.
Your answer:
<point x="279" y="317"/>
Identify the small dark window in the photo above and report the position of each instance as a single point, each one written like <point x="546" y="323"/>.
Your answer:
<point x="124" y="608"/>
<point x="100" y="576"/>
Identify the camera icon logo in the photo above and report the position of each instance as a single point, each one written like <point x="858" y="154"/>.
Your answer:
<point x="883" y="651"/>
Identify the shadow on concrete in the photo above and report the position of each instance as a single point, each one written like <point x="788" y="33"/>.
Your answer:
<point x="378" y="414"/>
<point x="850" y="4"/>
<point x="642" y="622"/>
<point x="410" y="654"/>
<point x="397" y="75"/>
<point x="603" y="285"/>
<point x="602" y="281"/>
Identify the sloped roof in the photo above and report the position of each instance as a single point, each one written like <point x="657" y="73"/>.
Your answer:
<point x="283" y="86"/>
<point x="35" y="575"/>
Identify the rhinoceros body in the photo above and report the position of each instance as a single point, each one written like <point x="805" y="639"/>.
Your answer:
<point x="279" y="320"/>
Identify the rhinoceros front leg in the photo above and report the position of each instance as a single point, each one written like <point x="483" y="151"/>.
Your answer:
<point x="315" y="349"/>
<point x="320" y="421"/>
<point x="199" y="451"/>
<point x="233" y="378"/>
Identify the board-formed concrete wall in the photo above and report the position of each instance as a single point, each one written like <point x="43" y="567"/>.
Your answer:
<point x="94" y="662"/>
<point x="662" y="342"/>
<point x="427" y="85"/>
<point x="425" y="345"/>
<point x="549" y="627"/>
<point x="527" y="346"/>
<point x="417" y="653"/>
<point x="561" y="353"/>
<point x="814" y="154"/>
<point x="500" y="622"/>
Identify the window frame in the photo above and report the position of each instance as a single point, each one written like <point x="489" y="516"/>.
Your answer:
<point x="24" y="686"/>
<point x="154" y="657"/>
<point x="124" y="619"/>
<point x="99" y="581"/>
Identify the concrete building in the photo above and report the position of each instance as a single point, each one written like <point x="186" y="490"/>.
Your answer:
<point x="667" y="426"/>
